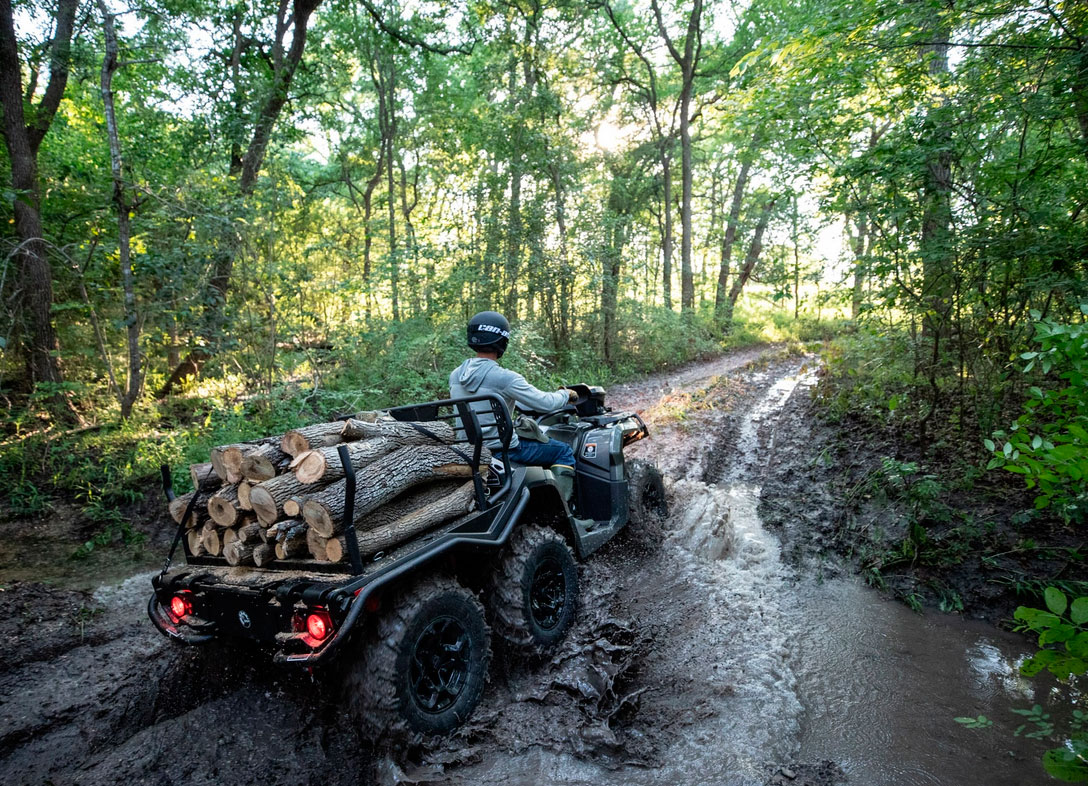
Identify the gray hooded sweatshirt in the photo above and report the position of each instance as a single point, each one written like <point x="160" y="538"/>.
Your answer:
<point x="480" y="376"/>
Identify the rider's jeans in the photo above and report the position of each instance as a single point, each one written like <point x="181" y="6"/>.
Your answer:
<point x="542" y="454"/>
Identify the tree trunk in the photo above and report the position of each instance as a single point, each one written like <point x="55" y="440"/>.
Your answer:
<point x="244" y="490"/>
<point x="667" y="232"/>
<point x="319" y="435"/>
<point x="263" y="463"/>
<point x="223" y="506"/>
<point x="284" y="66"/>
<point x="564" y="289"/>
<point x="23" y="141"/>
<point x="730" y="236"/>
<point x="292" y="543"/>
<point x="323" y="464"/>
<point x="754" y="250"/>
<point x="209" y="537"/>
<point x="269" y="497"/>
<point x="448" y="506"/>
<point x="199" y="515"/>
<point x="134" y="378"/>
<point x="203" y="477"/>
<point x="935" y="243"/>
<point x="688" y="61"/>
<point x="383" y="75"/>
<point x="404" y="433"/>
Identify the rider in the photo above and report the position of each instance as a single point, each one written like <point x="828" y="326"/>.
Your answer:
<point x="488" y="336"/>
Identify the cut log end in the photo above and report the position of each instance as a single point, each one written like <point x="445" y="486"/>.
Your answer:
<point x="263" y="554"/>
<point x="223" y="506"/>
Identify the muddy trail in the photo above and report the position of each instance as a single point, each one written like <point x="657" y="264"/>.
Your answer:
<point x="701" y="654"/>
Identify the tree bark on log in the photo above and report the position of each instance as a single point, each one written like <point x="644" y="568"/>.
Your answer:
<point x="323" y="464"/>
<point x="200" y="510"/>
<point x="404" y="505"/>
<point x="319" y="435"/>
<point x="204" y="477"/>
<point x="381" y="481"/>
<point x="238" y="553"/>
<point x="286" y="528"/>
<point x="263" y="463"/>
<point x="234" y="456"/>
<point x="211" y="541"/>
<point x="269" y="497"/>
<point x="293" y="544"/>
<point x="223" y="506"/>
<point x="411" y="500"/>
<point x="195" y="539"/>
<point x="250" y="533"/>
<point x="216" y="457"/>
<point x="404" y="433"/>
<point x="449" y="506"/>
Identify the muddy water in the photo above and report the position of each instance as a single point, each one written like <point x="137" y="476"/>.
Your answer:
<point x="761" y="674"/>
<point x="880" y="686"/>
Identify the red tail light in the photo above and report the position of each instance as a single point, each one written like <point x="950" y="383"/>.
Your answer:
<point x="318" y="625"/>
<point x="180" y="606"/>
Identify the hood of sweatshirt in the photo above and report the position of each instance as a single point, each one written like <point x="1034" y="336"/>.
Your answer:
<point x="470" y="374"/>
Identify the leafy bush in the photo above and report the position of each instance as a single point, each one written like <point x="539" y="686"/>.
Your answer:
<point x="1048" y="443"/>
<point x="1063" y="643"/>
<point x="869" y="375"/>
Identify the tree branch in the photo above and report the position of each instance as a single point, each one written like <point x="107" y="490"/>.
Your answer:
<point x="410" y="40"/>
<point x="58" y="74"/>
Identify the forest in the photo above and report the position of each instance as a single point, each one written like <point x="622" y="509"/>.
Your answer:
<point x="225" y="219"/>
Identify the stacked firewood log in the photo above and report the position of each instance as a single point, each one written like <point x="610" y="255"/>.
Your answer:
<point x="283" y="497"/>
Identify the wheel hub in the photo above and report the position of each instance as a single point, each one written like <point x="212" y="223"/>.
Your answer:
<point x="548" y="594"/>
<point x="439" y="667"/>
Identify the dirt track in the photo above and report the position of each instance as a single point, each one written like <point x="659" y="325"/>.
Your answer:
<point x="676" y="672"/>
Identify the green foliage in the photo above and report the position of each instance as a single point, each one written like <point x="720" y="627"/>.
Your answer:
<point x="1062" y="629"/>
<point x="980" y="722"/>
<point x="1048" y="443"/>
<point x="869" y="376"/>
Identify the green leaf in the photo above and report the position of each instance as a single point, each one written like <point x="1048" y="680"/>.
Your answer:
<point x="1065" y="765"/>
<point x="1055" y="600"/>
<point x="1057" y="634"/>
<point x="1078" y="611"/>
<point x="989" y="443"/>
<point x="1041" y="660"/>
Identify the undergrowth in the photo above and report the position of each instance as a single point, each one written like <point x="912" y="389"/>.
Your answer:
<point x="927" y="520"/>
<point x="108" y="467"/>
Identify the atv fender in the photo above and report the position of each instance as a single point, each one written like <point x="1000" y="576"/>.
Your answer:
<point x="547" y="508"/>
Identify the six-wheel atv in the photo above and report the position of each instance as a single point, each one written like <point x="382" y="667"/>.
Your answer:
<point x="412" y="626"/>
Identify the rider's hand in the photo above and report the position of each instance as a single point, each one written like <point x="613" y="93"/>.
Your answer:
<point x="572" y="395"/>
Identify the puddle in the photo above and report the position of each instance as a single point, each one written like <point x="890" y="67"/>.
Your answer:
<point x="881" y="686"/>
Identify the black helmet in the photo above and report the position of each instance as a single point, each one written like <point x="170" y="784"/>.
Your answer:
<point x="489" y="330"/>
